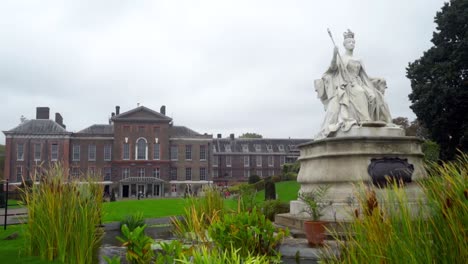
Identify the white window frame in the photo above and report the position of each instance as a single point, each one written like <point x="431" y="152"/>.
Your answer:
<point x="188" y="174"/>
<point x="125" y="173"/>
<point x="19" y="173"/>
<point x="228" y="161"/>
<point x="108" y="152"/>
<point x="282" y="160"/>
<point x="246" y="161"/>
<point x="137" y="157"/>
<point x="106" y="171"/>
<point x="174" y="152"/>
<point x="141" y="172"/>
<point x="157" y="173"/>
<point x="156" y="151"/>
<point x="20" y="151"/>
<point x="36" y="151"/>
<point x="271" y="161"/>
<point x="76" y="151"/>
<point x="126" y="151"/>
<point x="203" y="175"/>
<point x="247" y="173"/>
<point x="91" y="152"/>
<point x="203" y="152"/>
<point x="215" y="161"/>
<point x="173" y="173"/>
<point x="188" y="152"/>
<point x="259" y="173"/>
<point x="54" y="154"/>
<point x="281" y="148"/>
<point x="258" y="161"/>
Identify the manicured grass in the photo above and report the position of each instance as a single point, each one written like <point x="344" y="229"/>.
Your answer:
<point x="150" y="208"/>
<point x="12" y="251"/>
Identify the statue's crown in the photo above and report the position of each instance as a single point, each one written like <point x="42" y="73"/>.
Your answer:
<point x="348" y="34"/>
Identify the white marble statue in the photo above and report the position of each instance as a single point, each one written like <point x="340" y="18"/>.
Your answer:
<point x="349" y="95"/>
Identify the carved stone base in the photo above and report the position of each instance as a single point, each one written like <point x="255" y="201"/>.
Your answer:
<point x="343" y="163"/>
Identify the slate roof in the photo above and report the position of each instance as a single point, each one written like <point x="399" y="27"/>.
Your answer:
<point x="38" y="127"/>
<point x="98" y="129"/>
<point x="185" y="132"/>
<point x="237" y="144"/>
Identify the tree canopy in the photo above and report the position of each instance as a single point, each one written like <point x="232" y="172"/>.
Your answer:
<point x="250" y="135"/>
<point x="439" y="81"/>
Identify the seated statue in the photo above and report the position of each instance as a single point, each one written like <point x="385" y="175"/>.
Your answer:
<point x="349" y="95"/>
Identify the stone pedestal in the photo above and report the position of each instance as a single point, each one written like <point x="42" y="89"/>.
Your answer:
<point x="342" y="162"/>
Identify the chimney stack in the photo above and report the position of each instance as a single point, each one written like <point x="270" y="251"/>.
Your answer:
<point x="42" y="112"/>
<point x="59" y="119"/>
<point x="117" y="110"/>
<point x="219" y="135"/>
<point x="231" y="136"/>
<point x="163" y="110"/>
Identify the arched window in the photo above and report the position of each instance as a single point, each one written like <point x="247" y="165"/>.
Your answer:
<point x="141" y="149"/>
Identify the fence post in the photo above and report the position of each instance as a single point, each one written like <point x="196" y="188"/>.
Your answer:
<point x="6" y="205"/>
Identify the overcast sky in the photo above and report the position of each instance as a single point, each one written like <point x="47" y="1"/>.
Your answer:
<point x="218" y="66"/>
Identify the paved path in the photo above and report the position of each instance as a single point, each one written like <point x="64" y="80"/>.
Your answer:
<point x="15" y="216"/>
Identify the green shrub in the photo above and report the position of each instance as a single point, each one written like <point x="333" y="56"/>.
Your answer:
<point x="290" y="176"/>
<point x="250" y="232"/>
<point x="271" y="208"/>
<point x="138" y="245"/>
<point x="204" y="255"/>
<point x="133" y="221"/>
<point x="254" y="179"/>
<point x="270" y="191"/>
<point x="431" y="151"/>
<point x="64" y="218"/>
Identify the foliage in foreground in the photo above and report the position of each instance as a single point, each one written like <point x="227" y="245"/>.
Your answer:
<point x="394" y="233"/>
<point x="133" y="221"/>
<point x="199" y="214"/>
<point x="250" y="232"/>
<point x="64" y="218"/>
<point x="138" y="245"/>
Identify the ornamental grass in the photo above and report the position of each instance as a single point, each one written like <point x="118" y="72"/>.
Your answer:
<point x="392" y="230"/>
<point x="64" y="217"/>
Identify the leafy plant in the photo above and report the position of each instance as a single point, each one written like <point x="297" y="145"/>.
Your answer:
<point x="169" y="252"/>
<point x="133" y="221"/>
<point x="246" y="200"/>
<point x="113" y="260"/>
<point x="204" y="255"/>
<point x="314" y="201"/>
<point x="138" y="245"/>
<point x="250" y="232"/>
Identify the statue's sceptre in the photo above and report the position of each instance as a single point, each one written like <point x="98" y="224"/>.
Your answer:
<point x="339" y="57"/>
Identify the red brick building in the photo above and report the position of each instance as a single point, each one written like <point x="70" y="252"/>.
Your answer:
<point x="138" y="152"/>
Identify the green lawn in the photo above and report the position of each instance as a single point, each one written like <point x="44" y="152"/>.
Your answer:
<point x="11" y="251"/>
<point x="151" y="208"/>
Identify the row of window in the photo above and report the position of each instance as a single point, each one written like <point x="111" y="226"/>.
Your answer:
<point x="54" y="152"/>
<point x="76" y="152"/>
<point x="258" y="148"/>
<point x="188" y="174"/>
<point x="246" y="161"/>
<point x="188" y="152"/>
<point x="247" y="173"/>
